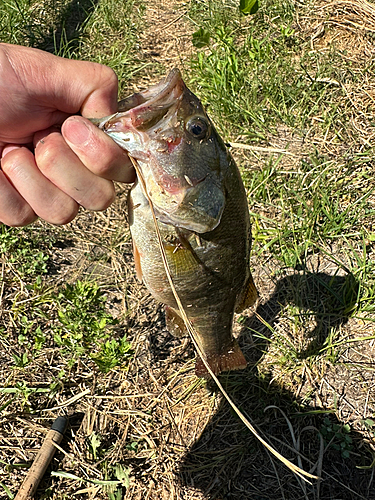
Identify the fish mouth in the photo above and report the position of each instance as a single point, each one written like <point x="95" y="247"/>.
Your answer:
<point x="146" y="114"/>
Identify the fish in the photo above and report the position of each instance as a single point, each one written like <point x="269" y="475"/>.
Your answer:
<point x="201" y="208"/>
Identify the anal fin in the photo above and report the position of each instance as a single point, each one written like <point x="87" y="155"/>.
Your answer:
<point x="230" y="359"/>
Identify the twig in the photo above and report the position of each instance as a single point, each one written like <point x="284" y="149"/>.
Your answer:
<point x="70" y="401"/>
<point x="239" y="145"/>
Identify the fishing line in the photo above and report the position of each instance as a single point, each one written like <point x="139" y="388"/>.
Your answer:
<point x="294" y="468"/>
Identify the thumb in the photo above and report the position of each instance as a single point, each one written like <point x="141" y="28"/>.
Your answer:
<point x="59" y="84"/>
<point x="86" y="87"/>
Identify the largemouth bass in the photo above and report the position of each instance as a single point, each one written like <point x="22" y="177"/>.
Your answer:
<point x="201" y="206"/>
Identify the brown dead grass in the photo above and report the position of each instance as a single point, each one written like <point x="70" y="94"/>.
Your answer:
<point x="189" y="444"/>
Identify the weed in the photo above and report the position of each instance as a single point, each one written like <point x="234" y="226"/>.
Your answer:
<point x="21" y="361"/>
<point x="112" y="353"/>
<point x="337" y="437"/>
<point x="22" y="249"/>
<point x="94" y="442"/>
<point x="22" y="391"/>
<point x="83" y="327"/>
<point x="369" y="423"/>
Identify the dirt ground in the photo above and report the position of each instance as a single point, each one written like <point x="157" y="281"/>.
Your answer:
<point x="189" y="443"/>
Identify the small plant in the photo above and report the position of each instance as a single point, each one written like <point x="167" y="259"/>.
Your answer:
<point x="21" y="361"/>
<point x="122" y="475"/>
<point x="337" y="437"/>
<point x="111" y="353"/>
<point x="94" y="441"/>
<point x="84" y="327"/>
<point x="249" y="6"/>
<point x="21" y="248"/>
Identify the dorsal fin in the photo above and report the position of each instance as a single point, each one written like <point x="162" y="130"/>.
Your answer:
<point x="248" y="295"/>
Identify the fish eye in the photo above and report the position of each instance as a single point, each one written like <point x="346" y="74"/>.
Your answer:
<point x="198" y="127"/>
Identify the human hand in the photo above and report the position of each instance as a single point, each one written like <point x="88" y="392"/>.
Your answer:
<point x="52" y="162"/>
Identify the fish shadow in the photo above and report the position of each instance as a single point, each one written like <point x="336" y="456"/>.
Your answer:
<point x="320" y="302"/>
<point x="228" y="462"/>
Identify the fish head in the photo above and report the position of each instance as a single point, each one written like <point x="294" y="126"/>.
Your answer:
<point x="179" y="153"/>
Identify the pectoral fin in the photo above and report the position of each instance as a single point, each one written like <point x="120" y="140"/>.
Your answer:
<point x="182" y="261"/>
<point x="229" y="359"/>
<point x="248" y="295"/>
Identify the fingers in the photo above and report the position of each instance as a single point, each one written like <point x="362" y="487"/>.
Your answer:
<point x="28" y="193"/>
<point x="53" y="183"/>
<point x="62" y="167"/>
<point x="59" y="84"/>
<point x="14" y="210"/>
<point x="98" y="152"/>
<point x="85" y="86"/>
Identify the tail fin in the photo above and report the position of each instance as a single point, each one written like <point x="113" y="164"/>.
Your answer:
<point x="229" y="359"/>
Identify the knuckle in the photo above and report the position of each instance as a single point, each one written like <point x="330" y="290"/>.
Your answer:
<point x="109" y="77"/>
<point x="62" y="211"/>
<point x="103" y="167"/>
<point x="100" y="199"/>
<point x="19" y="218"/>
<point x="110" y="162"/>
<point x="65" y="218"/>
<point x="47" y="153"/>
<point x="11" y="164"/>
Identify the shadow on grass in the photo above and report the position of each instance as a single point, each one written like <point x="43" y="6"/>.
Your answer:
<point x="65" y="26"/>
<point x="227" y="462"/>
<point x="322" y="300"/>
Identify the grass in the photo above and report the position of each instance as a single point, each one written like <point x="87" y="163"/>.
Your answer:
<point x="104" y="32"/>
<point x="78" y="335"/>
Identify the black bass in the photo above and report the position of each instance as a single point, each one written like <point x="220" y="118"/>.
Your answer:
<point x="201" y="206"/>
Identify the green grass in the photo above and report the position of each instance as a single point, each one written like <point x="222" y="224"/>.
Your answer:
<point x="254" y="73"/>
<point x="258" y="78"/>
<point x="312" y="207"/>
<point x="68" y="301"/>
<point x="104" y="32"/>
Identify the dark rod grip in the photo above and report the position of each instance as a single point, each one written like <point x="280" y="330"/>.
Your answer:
<point x="42" y="460"/>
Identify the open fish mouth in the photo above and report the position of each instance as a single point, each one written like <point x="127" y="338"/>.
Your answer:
<point x="150" y="111"/>
<point x="166" y="129"/>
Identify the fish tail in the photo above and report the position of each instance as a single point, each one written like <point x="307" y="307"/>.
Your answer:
<point x="229" y="359"/>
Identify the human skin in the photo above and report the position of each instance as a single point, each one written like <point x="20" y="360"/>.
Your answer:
<point x="52" y="158"/>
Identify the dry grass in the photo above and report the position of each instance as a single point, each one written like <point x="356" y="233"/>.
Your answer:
<point x="174" y="433"/>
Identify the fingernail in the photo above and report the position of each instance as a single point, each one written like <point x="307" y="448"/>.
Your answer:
<point x="76" y="131"/>
<point x="8" y="149"/>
